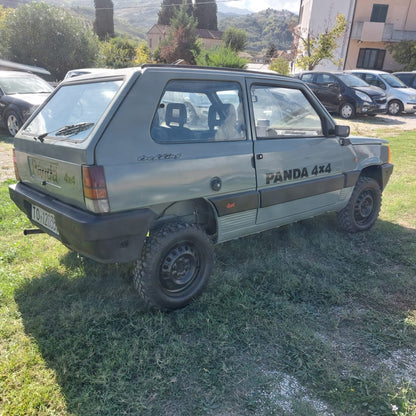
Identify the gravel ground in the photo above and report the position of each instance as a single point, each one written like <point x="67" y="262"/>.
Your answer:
<point x="361" y="126"/>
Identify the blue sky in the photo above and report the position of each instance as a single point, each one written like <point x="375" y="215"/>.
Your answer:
<point x="258" y="5"/>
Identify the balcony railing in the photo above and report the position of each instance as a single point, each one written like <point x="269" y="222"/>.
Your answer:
<point x="380" y="32"/>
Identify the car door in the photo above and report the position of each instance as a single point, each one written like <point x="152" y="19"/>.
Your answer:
<point x="328" y="91"/>
<point x="300" y="171"/>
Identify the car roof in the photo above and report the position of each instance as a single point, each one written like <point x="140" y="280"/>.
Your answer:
<point x="9" y="74"/>
<point x="370" y="71"/>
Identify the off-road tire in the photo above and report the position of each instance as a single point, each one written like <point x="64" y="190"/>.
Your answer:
<point x="363" y="207"/>
<point x="175" y="265"/>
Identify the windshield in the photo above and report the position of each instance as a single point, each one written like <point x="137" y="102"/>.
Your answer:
<point x="352" y="80"/>
<point x="24" y="85"/>
<point x="73" y="110"/>
<point x="393" y="81"/>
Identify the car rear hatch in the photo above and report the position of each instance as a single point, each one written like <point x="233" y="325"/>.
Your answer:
<point x="55" y="146"/>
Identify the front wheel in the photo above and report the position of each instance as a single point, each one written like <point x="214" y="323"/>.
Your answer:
<point x="175" y="266"/>
<point x="13" y="122"/>
<point x="395" y="107"/>
<point x="363" y="207"/>
<point x="347" y="111"/>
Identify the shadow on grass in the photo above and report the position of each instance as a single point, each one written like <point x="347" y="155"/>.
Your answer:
<point x="303" y="302"/>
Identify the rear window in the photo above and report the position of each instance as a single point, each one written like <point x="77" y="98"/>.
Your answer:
<point x="73" y="111"/>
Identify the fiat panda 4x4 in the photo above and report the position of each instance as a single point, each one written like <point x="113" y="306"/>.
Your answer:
<point x="157" y="164"/>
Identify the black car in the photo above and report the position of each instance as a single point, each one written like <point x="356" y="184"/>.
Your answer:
<point x="20" y="94"/>
<point x="346" y="94"/>
<point x="409" y="78"/>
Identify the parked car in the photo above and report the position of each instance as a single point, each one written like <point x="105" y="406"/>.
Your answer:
<point x="20" y="94"/>
<point x="409" y="78"/>
<point x="345" y="94"/>
<point x="400" y="98"/>
<point x="116" y="171"/>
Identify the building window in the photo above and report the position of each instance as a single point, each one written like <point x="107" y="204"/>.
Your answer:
<point x="371" y="58"/>
<point x="379" y="13"/>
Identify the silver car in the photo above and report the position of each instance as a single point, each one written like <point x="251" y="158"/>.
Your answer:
<point x="400" y="97"/>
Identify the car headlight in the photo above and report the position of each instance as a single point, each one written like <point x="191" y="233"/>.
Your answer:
<point x="363" y="96"/>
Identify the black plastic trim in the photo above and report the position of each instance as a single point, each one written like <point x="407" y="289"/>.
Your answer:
<point x="107" y="238"/>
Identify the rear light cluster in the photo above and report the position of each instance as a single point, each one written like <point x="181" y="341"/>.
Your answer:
<point x="95" y="189"/>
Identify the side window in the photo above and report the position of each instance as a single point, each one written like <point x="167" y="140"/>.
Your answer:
<point x="325" y="79"/>
<point x="307" y="77"/>
<point x="373" y="80"/>
<point x="199" y="111"/>
<point x="283" y="112"/>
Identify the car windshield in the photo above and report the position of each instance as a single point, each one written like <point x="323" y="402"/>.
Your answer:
<point x="352" y="80"/>
<point x="73" y="110"/>
<point x="393" y="81"/>
<point x="24" y="85"/>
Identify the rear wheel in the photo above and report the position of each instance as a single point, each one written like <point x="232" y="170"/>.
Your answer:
<point x="13" y="122"/>
<point x="347" y="110"/>
<point x="363" y="207"/>
<point x="175" y="266"/>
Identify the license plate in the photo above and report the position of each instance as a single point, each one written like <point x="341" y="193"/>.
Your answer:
<point x="44" y="218"/>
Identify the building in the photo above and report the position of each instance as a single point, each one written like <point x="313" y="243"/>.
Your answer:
<point x="372" y="25"/>
<point x="157" y="33"/>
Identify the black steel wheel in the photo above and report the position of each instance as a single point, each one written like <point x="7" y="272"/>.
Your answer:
<point x="363" y="207"/>
<point x="175" y="266"/>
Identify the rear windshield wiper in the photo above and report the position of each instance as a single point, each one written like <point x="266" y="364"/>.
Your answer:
<point x="73" y="129"/>
<point x="70" y="130"/>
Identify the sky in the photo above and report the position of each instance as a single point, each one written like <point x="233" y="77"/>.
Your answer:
<point x="258" y="5"/>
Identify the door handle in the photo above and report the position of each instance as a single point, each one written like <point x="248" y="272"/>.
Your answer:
<point x="259" y="156"/>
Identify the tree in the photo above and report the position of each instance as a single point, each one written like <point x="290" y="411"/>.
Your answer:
<point x="143" y="54"/>
<point x="222" y="56"/>
<point x="168" y="9"/>
<point x="47" y="36"/>
<point x="280" y="65"/>
<point x="205" y="12"/>
<point x="235" y="38"/>
<point x="404" y="52"/>
<point x="182" y="41"/>
<point x="118" y="52"/>
<point x="317" y="48"/>
<point x="104" y="19"/>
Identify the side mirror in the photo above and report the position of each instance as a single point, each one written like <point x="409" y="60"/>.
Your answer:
<point x="342" y="131"/>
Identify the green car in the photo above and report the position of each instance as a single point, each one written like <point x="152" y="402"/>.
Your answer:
<point x="115" y="167"/>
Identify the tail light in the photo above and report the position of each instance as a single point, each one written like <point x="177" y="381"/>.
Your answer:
<point x="95" y="189"/>
<point x="16" y="171"/>
<point x="389" y="154"/>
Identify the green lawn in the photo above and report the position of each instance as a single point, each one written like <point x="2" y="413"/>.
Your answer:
<point x="303" y="320"/>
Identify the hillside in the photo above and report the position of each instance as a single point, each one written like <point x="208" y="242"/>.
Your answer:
<point x="268" y="27"/>
<point x="263" y="29"/>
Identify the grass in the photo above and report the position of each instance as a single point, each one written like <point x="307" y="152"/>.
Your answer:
<point x="301" y="320"/>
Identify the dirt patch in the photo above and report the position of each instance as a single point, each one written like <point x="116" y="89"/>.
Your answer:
<point x="6" y="159"/>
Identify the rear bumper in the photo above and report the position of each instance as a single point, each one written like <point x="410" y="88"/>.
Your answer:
<point x="109" y="238"/>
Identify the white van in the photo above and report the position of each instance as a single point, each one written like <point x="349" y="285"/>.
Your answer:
<point x="400" y="97"/>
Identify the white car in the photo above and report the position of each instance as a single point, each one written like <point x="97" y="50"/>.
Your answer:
<point x="400" y="97"/>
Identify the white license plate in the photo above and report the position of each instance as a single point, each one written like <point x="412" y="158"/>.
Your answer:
<point x="44" y="218"/>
